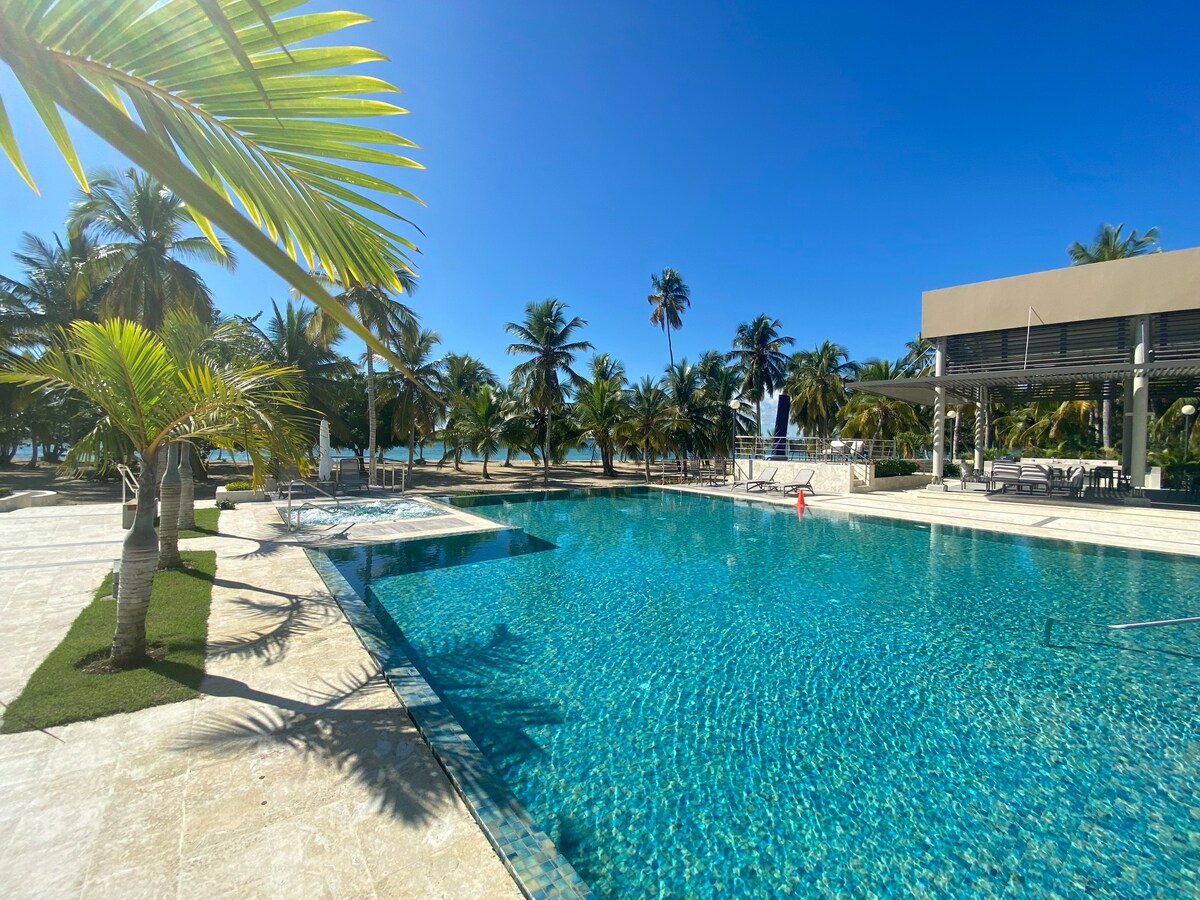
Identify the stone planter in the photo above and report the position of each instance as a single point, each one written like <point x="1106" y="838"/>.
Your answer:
<point x="26" y="499"/>
<point x="895" y="483"/>
<point x="239" y="496"/>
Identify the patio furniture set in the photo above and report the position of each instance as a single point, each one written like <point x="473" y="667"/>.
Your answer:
<point x="719" y="472"/>
<point x="1074" y="481"/>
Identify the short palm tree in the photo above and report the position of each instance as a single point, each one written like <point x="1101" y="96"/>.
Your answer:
<point x="648" y="420"/>
<point x="52" y="291"/>
<point x="460" y="376"/>
<point x="479" y="422"/>
<point x="600" y="407"/>
<point x="140" y="228"/>
<point x="877" y="417"/>
<point x="545" y="336"/>
<point x="692" y="411"/>
<point x="295" y="340"/>
<point x="146" y="402"/>
<point x="670" y="298"/>
<point x="758" y="354"/>
<point x="816" y="382"/>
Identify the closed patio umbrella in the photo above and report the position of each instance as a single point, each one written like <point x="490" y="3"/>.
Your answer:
<point x="324" y="463"/>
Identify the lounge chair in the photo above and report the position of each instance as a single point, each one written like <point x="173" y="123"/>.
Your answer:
<point x="971" y="475"/>
<point x="1015" y="475"/>
<point x="803" y="481"/>
<point x="349" y="477"/>
<point x="764" y="484"/>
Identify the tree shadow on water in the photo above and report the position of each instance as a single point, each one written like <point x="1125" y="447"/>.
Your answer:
<point x="479" y="682"/>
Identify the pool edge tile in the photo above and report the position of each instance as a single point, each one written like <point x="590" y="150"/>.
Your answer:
<point x="537" y="867"/>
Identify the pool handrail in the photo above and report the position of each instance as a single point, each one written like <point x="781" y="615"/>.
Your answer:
<point x="1127" y="626"/>
<point x="290" y="527"/>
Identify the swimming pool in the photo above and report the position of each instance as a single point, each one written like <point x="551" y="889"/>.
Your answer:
<point x="697" y="696"/>
<point x="355" y="513"/>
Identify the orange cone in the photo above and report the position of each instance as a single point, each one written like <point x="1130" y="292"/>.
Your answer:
<point x="800" y="498"/>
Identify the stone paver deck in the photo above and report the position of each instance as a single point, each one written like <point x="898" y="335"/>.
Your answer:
<point x="297" y="773"/>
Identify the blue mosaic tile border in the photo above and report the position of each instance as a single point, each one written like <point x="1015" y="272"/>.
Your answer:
<point x="538" y="869"/>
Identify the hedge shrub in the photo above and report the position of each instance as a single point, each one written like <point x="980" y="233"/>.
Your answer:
<point x="239" y="486"/>
<point x="891" y="468"/>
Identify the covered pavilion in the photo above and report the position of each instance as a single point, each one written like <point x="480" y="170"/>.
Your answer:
<point x="1127" y="327"/>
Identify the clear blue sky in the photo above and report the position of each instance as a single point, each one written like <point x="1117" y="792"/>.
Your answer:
<point x="818" y="163"/>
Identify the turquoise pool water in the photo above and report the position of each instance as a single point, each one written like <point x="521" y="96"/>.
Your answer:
<point x="695" y="696"/>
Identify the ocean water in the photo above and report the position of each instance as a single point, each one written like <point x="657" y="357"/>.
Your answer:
<point x="698" y="696"/>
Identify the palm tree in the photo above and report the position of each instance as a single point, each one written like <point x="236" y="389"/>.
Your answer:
<point x="692" y="411"/>
<point x="670" y="298"/>
<point x="139" y="265"/>
<point x="877" y="417"/>
<point x="461" y="376"/>
<point x="419" y="402"/>
<point x="816" y="382"/>
<point x="294" y="339"/>
<point x="600" y="407"/>
<point x="758" y="353"/>
<point x="918" y="358"/>
<point x="385" y="318"/>
<point x="479" y="423"/>
<point x="35" y="306"/>
<point x="545" y="336"/>
<point x="265" y="124"/>
<point x="648" y="420"/>
<point x="146" y="402"/>
<point x="1109" y="245"/>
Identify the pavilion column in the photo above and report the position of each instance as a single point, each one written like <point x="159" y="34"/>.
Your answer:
<point x="980" y="426"/>
<point x="1139" y="401"/>
<point x="939" y="417"/>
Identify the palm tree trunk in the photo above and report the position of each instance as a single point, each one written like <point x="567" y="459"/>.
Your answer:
<point x="648" y="465"/>
<point x="546" y="449"/>
<point x="412" y="441"/>
<point x="670" y="351"/>
<point x="139" y="555"/>
<point x="33" y="450"/>
<point x="486" y="476"/>
<point x="187" y="488"/>
<point x="168" y="520"/>
<point x="370" y="418"/>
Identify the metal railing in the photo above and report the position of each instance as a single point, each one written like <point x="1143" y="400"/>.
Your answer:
<point x="1128" y="626"/>
<point x="813" y="449"/>
<point x="312" y="487"/>
<point x="128" y="482"/>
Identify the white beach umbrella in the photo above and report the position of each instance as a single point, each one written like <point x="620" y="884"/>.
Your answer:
<point x="324" y="463"/>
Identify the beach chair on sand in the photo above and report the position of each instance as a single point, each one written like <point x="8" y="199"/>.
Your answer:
<point x="767" y="483"/>
<point x="803" y="482"/>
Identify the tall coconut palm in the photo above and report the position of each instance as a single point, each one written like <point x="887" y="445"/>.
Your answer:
<point x="295" y="340"/>
<point x="262" y="124"/>
<point x="140" y="227"/>
<point x="545" y="335"/>
<point x="670" y="298"/>
<point x="758" y="353"/>
<point x="816" y="382"/>
<point x="461" y="376"/>
<point x="385" y="318"/>
<point x="600" y="407"/>
<point x="479" y="423"/>
<point x="418" y="402"/>
<point x="147" y="401"/>
<point x="35" y="305"/>
<point x="648" y="420"/>
<point x="692" y="410"/>
<point x="1109" y="245"/>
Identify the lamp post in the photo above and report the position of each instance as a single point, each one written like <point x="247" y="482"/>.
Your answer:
<point x="952" y="413"/>
<point x="736" y="404"/>
<point x="1187" y="411"/>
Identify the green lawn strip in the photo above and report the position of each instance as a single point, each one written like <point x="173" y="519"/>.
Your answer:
<point x="206" y="523"/>
<point x="60" y="692"/>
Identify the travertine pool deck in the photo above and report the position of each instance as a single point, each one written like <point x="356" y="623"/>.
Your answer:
<point x="295" y="774"/>
<point x="1139" y="528"/>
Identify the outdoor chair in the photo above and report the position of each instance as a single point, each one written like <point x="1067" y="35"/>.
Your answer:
<point x="767" y="483"/>
<point x="971" y="475"/>
<point x="718" y="472"/>
<point x="671" y="471"/>
<point x="349" y="477"/>
<point x="1004" y="475"/>
<point x="1075" y="481"/>
<point x="802" y="482"/>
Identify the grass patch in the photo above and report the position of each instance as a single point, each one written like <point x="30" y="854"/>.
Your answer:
<point x="60" y="691"/>
<point x="206" y="523"/>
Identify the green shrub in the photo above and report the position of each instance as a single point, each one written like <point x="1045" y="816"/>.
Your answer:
<point x="891" y="468"/>
<point x="5" y="490"/>
<point x="951" y="470"/>
<point x="226" y="504"/>
<point x="242" y="485"/>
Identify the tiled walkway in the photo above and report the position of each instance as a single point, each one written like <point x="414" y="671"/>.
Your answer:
<point x="297" y="774"/>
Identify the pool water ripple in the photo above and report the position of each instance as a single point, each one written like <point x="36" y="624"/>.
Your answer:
<point x="842" y="705"/>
